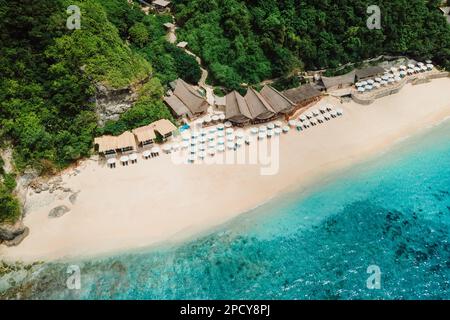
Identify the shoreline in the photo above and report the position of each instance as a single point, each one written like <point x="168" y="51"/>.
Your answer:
<point x="96" y="227"/>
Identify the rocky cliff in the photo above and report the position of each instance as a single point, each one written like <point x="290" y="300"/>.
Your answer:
<point x="111" y="103"/>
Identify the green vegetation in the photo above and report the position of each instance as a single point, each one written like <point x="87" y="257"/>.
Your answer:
<point x="250" y="41"/>
<point x="9" y="205"/>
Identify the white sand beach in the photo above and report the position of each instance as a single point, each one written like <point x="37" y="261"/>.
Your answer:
<point x="156" y="201"/>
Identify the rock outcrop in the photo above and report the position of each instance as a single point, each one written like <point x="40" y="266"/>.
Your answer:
<point x="13" y="234"/>
<point x="111" y="103"/>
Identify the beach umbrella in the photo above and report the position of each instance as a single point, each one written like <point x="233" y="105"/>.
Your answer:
<point x="240" y="134"/>
<point x="313" y="121"/>
<point x="363" y="83"/>
<point x="329" y="107"/>
<point x="221" y="148"/>
<point x="203" y="132"/>
<point x="397" y="79"/>
<point x="278" y="131"/>
<point x="211" y="137"/>
<point x="254" y="131"/>
<point x="215" y="118"/>
<point x="428" y="62"/>
<point x="220" y="126"/>
<point x="124" y="160"/>
<point x="370" y="82"/>
<point x="368" y="87"/>
<point x="193" y="150"/>
<point x="193" y="142"/>
<point x="269" y="134"/>
<point x="155" y="151"/>
<point x="185" y="136"/>
<point x="221" y="117"/>
<point x="309" y="115"/>
<point x="175" y="147"/>
<point x="167" y="148"/>
<point x="303" y="118"/>
<point x="306" y="124"/>
<point x="185" y="144"/>
<point x="322" y="109"/>
<point x="191" y="158"/>
<point x="212" y="152"/>
<point x="202" y="140"/>
<point x="230" y="138"/>
<point x="229" y="131"/>
<point x="410" y="71"/>
<point x="261" y="136"/>
<point x="403" y="67"/>
<point x="411" y="66"/>
<point x="417" y="69"/>
<point x="327" y="116"/>
<point x="112" y="161"/>
<point x="315" y="112"/>
<point x="270" y="126"/>
<point x="320" y="119"/>
<point x="285" y="129"/>
<point x="202" y="147"/>
<point x="376" y="85"/>
<point x="211" y="145"/>
<point x="278" y="124"/>
<point x="228" y="124"/>
<point x="424" y="68"/>
<point x="207" y="119"/>
<point x="221" y="141"/>
<point x="383" y="83"/>
<point x="420" y="64"/>
<point x="339" y="111"/>
<point x="220" y="134"/>
<point x="240" y="142"/>
<point x="230" y="145"/>
<point x="361" y="89"/>
<point x="390" y="76"/>
<point x="385" y="78"/>
<point x="262" y="129"/>
<point x="358" y="84"/>
<point x="292" y="123"/>
<point x="394" y="70"/>
<point x="194" y="135"/>
<point x="403" y="73"/>
<point x="299" y="126"/>
<point x="212" y="130"/>
<point x="430" y="66"/>
<point x="378" y="79"/>
<point x="202" y="154"/>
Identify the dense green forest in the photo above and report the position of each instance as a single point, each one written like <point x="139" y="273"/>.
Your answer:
<point x="48" y="75"/>
<point x="250" y="41"/>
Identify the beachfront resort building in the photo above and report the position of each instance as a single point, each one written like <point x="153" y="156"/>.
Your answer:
<point x="110" y="145"/>
<point x="186" y="101"/>
<point x="128" y="142"/>
<point x="256" y="107"/>
<point x="161" y="5"/>
<point x="303" y="96"/>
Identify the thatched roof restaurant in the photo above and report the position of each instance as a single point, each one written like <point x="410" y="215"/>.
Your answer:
<point x="236" y="108"/>
<point x="259" y="108"/>
<point x="186" y="101"/>
<point x="110" y="144"/>
<point x="339" y="82"/>
<point x="369" y="72"/>
<point x="279" y="102"/>
<point x="302" y="94"/>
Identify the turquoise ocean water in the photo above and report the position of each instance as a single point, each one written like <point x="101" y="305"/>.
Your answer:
<point x="392" y="211"/>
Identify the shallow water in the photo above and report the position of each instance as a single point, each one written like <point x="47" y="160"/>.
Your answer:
<point x="392" y="212"/>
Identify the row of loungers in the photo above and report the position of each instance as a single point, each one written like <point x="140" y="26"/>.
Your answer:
<point x="126" y="160"/>
<point x="315" y="117"/>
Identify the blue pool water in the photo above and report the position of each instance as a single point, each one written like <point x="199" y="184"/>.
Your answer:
<point x="392" y="212"/>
